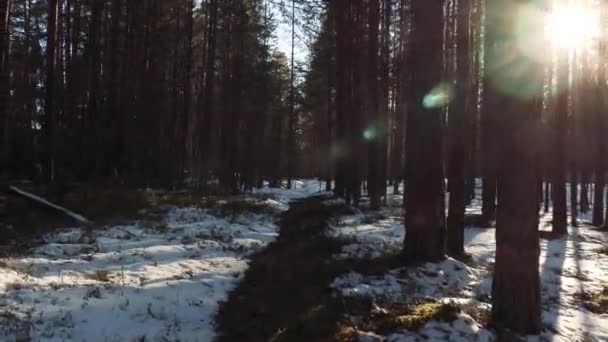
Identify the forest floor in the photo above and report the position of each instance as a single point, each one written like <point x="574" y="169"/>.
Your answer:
<point x="283" y="265"/>
<point x="450" y="300"/>
<point x="157" y="278"/>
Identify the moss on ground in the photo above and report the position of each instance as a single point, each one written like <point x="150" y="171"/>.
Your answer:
<point x="595" y="302"/>
<point x="396" y="317"/>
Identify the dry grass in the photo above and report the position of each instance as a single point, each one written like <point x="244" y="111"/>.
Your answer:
<point x="100" y="275"/>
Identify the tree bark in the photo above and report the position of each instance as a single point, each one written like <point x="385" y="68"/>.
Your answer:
<point x="489" y="116"/>
<point x="424" y="217"/>
<point x="5" y="91"/>
<point x="573" y="195"/>
<point x="49" y="103"/>
<point x="584" y="192"/>
<point x="547" y="197"/>
<point x="599" y="130"/>
<point x="516" y="284"/>
<point x="291" y="143"/>
<point x="372" y="126"/>
<point x="458" y="124"/>
<point x="559" y="133"/>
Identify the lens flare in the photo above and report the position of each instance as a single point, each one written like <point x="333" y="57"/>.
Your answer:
<point x="569" y="27"/>
<point x="370" y="134"/>
<point x="440" y="96"/>
<point x="514" y="54"/>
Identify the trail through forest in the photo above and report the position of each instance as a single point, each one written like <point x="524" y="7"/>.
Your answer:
<point x="287" y="284"/>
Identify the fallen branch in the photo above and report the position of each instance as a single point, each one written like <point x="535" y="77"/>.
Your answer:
<point x="77" y="217"/>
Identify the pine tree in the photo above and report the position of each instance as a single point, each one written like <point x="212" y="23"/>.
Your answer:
<point x="516" y="282"/>
<point x="425" y="217"/>
<point x="5" y="119"/>
<point x="460" y="116"/>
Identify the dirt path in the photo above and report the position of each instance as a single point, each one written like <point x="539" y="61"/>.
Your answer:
<point x="285" y="294"/>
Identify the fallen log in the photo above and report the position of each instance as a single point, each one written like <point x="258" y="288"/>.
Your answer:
<point x="77" y="217"/>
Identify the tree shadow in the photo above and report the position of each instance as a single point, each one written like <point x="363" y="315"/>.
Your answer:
<point x="580" y="275"/>
<point x="551" y="282"/>
<point x="552" y="275"/>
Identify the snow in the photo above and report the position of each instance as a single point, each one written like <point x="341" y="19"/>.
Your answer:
<point x="164" y="281"/>
<point x="153" y="282"/>
<point x="568" y="266"/>
<point x="299" y="189"/>
<point x="371" y="234"/>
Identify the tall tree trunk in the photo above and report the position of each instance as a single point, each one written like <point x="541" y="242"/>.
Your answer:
<point x="5" y="91"/>
<point x="291" y="142"/>
<point x="208" y="93"/>
<point x="372" y="128"/>
<point x="547" y="197"/>
<point x="385" y="105"/>
<point x="49" y="103"/>
<point x="488" y="143"/>
<point x="93" y="107"/>
<point x="599" y="158"/>
<point x="516" y="283"/>
<point x="112" y="131"/>
<point x="559" y="133"/>
<point x="584" y="193"/>
<point x="424" y="217"/>
<point x="573" y="194"/>
<point x="598" y="196"/>
<point x="459" y="118"/>
<point x="489" y="116"/>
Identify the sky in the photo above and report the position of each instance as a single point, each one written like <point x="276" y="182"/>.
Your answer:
<point x="284" y="38"/>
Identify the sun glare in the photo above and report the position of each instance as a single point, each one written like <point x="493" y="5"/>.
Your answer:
<point x="571" y="27"/>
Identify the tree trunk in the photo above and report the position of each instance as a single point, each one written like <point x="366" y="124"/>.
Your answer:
<point x="547" y="197"/>
<point x="516" y="284"/>
<point x="459" y="122"/>
<point x="559" y="134"/>
<point x="49" y="103"/>
<point x="584" y="198"/>
<point x="599" y="130"/>
<point x="488" y="141"/>
<point x="291" y="142"/>
<point x="424" y="217"/>
<point x="573" y="195"/>
<point x="372" y="128"/>
<point x="5" y="91"/>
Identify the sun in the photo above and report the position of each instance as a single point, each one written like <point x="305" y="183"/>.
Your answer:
<point x="571" y="26"/>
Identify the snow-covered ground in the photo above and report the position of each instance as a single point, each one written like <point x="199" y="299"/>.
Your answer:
<point x="568" y="266"/>
<point x="162" y="281"/>
<point x="148" y="281"/>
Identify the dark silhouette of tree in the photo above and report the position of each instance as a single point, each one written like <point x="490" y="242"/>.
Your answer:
<point x="516" y="272"/>
<point x="50" y="124"/>
<point x="459" y="123"/>
<point x="425" y="217"/>
<point x="559" y="134"/>
<point x="5" y="119"/>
